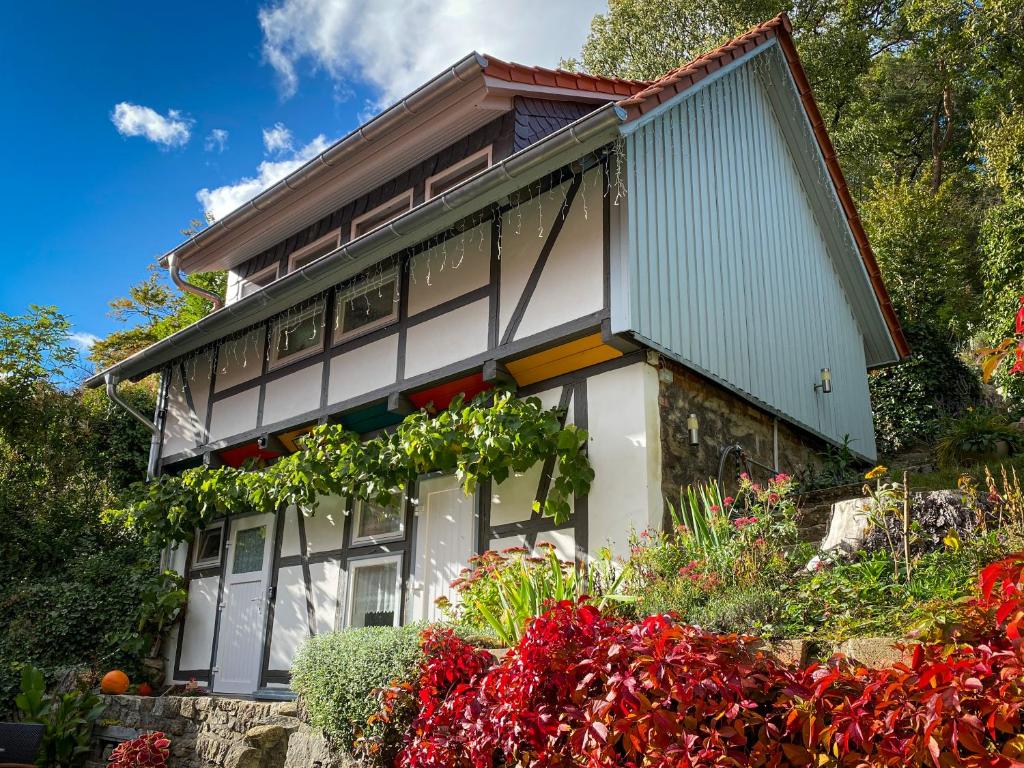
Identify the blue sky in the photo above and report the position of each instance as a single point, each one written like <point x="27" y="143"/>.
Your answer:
<point x="117" y="115"/>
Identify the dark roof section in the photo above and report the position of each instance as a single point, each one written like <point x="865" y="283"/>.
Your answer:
<point x="682" y="78"/>
<point x="536" y="118"/>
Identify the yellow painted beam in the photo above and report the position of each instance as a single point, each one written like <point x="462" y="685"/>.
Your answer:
<point x="565" y="358"/>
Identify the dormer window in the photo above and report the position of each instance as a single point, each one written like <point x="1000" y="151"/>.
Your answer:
<point x="458" y="173"/>
<point x="382" y="214"/>
<point x="310" y="253"/>
<point x="249" y="285"/>
<point x="367" y="304"/>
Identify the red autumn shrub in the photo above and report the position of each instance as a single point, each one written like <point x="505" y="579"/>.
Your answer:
<point x="584" y="689"/>
<point x="150" y="749"/>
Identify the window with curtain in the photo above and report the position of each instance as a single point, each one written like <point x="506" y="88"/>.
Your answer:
<point x="374" y="592"/>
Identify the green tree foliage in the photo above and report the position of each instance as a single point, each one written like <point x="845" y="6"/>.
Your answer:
<point x="69" y="584"/>
<point x="153" y="310"/>
<point x="923" y="101"/>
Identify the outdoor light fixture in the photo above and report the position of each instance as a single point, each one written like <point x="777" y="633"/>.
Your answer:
<point x="826" y="382"/>
<point x="693" y="428"/>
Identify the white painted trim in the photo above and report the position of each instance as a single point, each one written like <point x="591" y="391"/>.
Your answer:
<point x="456" y="168"/>
<point x="407" y="195"/>
<point x="298" y="254"/>
<point x="251" y="280"/>
<point x="354" y="565"/>
<point x="357" y="516"/>
<point x="273" y="361"/>
<point x="351" y="294"/>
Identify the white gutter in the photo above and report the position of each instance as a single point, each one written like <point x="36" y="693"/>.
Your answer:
<point x="441" y="85"/>
<point x="588" y="133"/>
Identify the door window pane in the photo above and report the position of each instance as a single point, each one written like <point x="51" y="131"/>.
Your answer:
<point x="374" y="594"/>
<point x="249" y="548"/>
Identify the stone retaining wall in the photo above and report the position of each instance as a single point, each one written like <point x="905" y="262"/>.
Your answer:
<point x="212" y="732"/>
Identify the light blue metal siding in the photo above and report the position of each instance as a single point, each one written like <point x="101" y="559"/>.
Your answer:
<point x="728" y="268"/>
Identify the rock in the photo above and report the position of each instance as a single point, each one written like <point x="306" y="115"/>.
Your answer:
<point x="848" y="526"/>
<point x="265" y="736"/>
<point x="875" y="652"/>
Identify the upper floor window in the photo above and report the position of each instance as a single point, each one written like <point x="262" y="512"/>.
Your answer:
<point x="313" y="251"/>
<point x="382" y="214"/>
<point x="458" y="173"/>
<point x="297" y="335"/>
<point x="368" y="304"/>
<point x="252" y="283"/>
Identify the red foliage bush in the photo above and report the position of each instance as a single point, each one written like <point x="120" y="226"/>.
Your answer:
<point x="150" y="749"/>
<point x="584" y="689"/>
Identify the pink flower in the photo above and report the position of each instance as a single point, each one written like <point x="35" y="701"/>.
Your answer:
<point x="728" y="501"/>
<point x="744" y="476"/>
<point x="743" y="522"/>
<point x="774" y="498"/>
<point x="782" y="477"/>
<point x="756" y="487"/>
<point x="715" y="508"/>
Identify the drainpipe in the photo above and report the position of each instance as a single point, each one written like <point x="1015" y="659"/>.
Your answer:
<point x="185" y="285"/>
<point x="153" y="427"/>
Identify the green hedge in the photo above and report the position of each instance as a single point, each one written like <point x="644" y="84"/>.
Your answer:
<point x="335" y="675"/>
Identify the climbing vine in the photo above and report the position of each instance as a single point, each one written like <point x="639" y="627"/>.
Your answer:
<point x="493" y="436"/>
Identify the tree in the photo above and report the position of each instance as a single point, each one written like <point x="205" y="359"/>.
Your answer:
<point x="153" y="310"/>
<point x="69" y="583"/>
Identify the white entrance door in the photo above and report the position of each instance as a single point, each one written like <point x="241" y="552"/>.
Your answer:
<point x="444" y="543"/>
<point x="242" y="621"/>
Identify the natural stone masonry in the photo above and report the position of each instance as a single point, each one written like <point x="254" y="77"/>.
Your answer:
<point x="213" y="732"/>
<point x="725" y="418"/>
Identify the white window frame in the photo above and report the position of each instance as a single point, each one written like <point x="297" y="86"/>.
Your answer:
<point x="208" y="562"/>
<point x="453" y="169"/>
<point x="354" y="564"/>
<point x="407" y="196"/>
<point x="277" y="362"/>
<point x="298" y="254"/>
<point x="357" y="516"/>
<point x="352" y="294"/>
<point x="251" y="280"/>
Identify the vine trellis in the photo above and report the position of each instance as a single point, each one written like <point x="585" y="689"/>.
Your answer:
<point x="491" y="437"/>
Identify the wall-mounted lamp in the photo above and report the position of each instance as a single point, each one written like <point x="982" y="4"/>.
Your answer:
<point x="693" y="429"/>
<point x="826" y="382"/>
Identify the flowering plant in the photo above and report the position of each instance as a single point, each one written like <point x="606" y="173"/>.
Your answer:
<point x="149" y="749"/>
<point x="585" y="688"/>
<point x="991" y="357"/>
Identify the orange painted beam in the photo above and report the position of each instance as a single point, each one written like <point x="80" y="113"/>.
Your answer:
<point x="565" y="358"/>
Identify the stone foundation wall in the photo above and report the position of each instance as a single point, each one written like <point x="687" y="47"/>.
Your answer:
<point x="725" y="418"/>
<point x="211" y="732"/>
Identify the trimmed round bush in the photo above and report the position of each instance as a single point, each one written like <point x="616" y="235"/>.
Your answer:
<point x="335" y="675"/>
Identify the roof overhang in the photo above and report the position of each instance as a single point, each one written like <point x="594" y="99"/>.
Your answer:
<point x="587" y="134"/>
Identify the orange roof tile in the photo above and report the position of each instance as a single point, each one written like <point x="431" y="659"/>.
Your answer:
<point x="562" y="78"/>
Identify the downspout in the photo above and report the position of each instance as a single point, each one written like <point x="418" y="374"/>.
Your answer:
<point x="153" y="427"/>
<point x="185" y="285"/>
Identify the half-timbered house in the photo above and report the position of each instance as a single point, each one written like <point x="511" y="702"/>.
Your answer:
<point x="677" y="263"/>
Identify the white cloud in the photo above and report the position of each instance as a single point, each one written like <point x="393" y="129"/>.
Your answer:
<point x="172" y="130"/>
<point x="277" y="139"/>
<point x="396" y="45"/>
<point x="83" y="340"/>
<point x="223" y="200"/>
<point x="216" y="140"/>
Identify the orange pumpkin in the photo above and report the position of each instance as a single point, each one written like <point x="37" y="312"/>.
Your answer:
<point x="114" y="682"/>
<point x="144" y="689"/>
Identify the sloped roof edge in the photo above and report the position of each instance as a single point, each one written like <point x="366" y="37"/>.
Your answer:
<point x="685" y="77"/>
